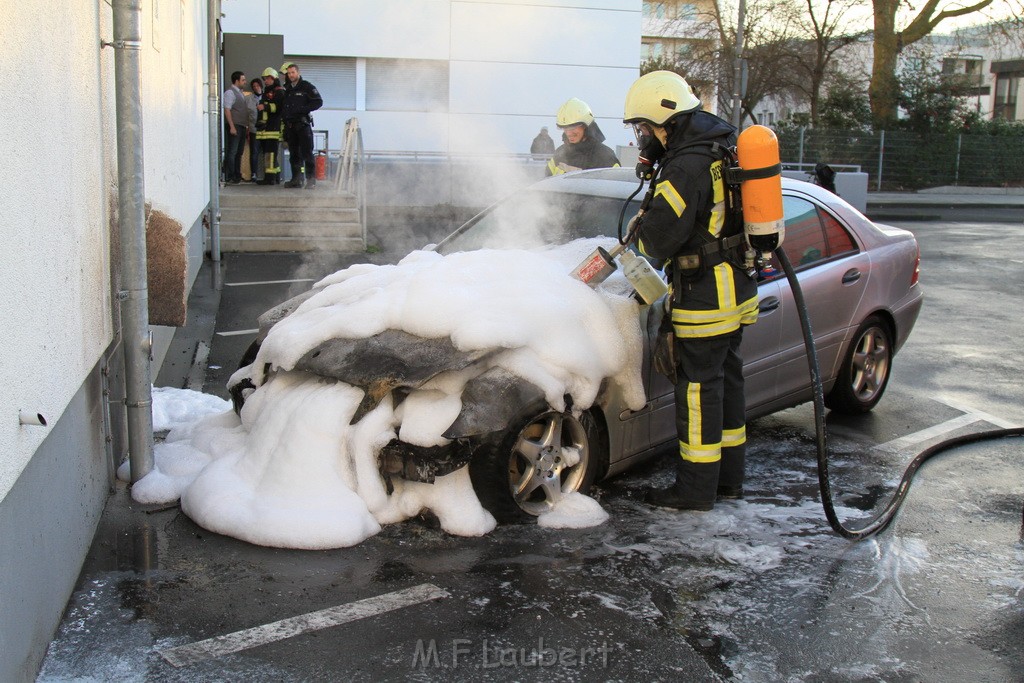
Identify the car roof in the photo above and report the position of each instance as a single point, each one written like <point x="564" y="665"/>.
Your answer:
<point x="619" y="183"/>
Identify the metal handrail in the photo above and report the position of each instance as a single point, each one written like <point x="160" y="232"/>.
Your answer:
<point x="448" y="156"/>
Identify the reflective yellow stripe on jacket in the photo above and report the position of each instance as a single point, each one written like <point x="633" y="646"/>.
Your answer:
<point x="718" y="210"/>
<point x="727" y="317"/>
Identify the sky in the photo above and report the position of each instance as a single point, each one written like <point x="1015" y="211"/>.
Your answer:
<point x="292" y="472"/>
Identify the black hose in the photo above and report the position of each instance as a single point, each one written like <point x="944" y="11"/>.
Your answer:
<point x="622" y="212"/>
<point x="886" y="516"/>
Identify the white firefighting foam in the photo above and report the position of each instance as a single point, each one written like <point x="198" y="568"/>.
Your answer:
<point x="293" y="473"/>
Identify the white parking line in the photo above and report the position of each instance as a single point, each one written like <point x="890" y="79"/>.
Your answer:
<point x="267" y="282"/>
<point x="198" y="369"/>
<point x="235" y="333"/>
<point x="293" y="626"/>
<point x="997" y="421"/>
<point x="969" y="417"/>
<point x="905" y="442"/>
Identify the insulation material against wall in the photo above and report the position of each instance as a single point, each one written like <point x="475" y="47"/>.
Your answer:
<point x="166" y="266"/>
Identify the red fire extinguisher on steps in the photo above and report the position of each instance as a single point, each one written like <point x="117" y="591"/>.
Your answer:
<point x="321" y="166"/>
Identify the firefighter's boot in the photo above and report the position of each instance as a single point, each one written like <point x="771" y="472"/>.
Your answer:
<point x="684" y="494"/>
<point x="297" y="181"/>
<point x="675" y="497"/>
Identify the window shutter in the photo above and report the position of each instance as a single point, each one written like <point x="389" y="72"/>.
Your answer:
<point x="334" y="77"/>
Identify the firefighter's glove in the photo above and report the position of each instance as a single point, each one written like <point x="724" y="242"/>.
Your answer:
<point x="665" y="350"/>
<point x="632" y="226"/>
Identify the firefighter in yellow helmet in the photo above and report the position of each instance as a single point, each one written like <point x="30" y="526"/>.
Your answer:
<point x="686" y="225"/>
<point x="582" y="141"/>
<point x="268" y="126"/>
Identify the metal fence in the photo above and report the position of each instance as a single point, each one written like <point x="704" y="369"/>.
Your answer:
<point x="903" y="160"/>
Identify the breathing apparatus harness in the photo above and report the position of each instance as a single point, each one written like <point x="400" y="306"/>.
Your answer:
<point x="760" y="235"/>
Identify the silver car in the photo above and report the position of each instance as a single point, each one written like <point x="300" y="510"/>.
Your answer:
<point x="860" y="281"/>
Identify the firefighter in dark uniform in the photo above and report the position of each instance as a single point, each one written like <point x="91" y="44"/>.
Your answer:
<point x="268" y="126"/>
<point x="713" y="297"/>
<point x="582" y="141"/>
<point x="300" y="99"/>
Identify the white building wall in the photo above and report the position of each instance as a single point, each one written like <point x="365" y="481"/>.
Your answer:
<point x="56" y="272"/>
<point x="58" y="183"/>
<point x="61" y="184"/>
<point x="175" y="126"/>
<point x="512" y="63"/>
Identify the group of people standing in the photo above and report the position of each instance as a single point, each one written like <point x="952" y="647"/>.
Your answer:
<point x="272" y="113"/>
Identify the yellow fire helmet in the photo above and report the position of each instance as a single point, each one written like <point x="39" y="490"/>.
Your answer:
<point x="269" y="71"/>
<point x="657" y="97"/>
<point x="573" y="112"/>
<point x="284" y="66"/>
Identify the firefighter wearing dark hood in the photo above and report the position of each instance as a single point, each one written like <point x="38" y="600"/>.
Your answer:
<point x="582" y="141"/>
<point x="686" y="225"/>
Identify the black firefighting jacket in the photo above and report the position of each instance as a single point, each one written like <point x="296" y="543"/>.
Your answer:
<point x="268" y="125"/>
<point x="300" y="99"/>
<point x="712" y="296"/>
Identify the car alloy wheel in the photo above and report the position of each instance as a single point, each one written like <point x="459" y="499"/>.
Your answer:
<point x="533" y="466"/>
<point x="865" y="371"/>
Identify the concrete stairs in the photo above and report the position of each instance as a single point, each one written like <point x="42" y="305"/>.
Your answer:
<point x="276" y="218"/>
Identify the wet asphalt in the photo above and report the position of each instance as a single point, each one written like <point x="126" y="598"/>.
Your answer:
<point x="757" y="590"/>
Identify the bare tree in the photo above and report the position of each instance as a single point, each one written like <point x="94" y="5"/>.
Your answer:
<point x="884" y="90"/>
<point x="707" y="62"/>
<point x="767" y="31"/>
<point x="826" y="25"/>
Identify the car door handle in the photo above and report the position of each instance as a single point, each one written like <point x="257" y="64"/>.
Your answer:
<point x="851" y="275"/>
<point x="769" y="304"/>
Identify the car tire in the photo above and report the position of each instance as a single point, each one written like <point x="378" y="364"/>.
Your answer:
<point x="865" y="370"/>
<point x="237" y="392"/>
<point x="524" y="472"/>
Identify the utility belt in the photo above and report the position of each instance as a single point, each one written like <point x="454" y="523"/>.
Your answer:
<point x="710" y="255"/>
<point x="295" y="121"/>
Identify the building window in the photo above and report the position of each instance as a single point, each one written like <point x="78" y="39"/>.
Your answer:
<point x="654" y="10"/>
<point x="1005" y="103"/>
<point x="687" y="12"/>
<point x="406" y="85"/>
<point x="334" y="77"/>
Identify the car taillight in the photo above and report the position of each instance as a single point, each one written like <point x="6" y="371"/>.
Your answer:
<point x="917" y="268"/>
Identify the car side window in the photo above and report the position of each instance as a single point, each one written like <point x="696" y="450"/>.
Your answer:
<point x="805" y="239"/>
<point x="839" y="240"/>
<point x="812" y="235"/>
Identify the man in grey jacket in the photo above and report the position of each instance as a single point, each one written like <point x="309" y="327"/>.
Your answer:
<point x="236" y="123"/>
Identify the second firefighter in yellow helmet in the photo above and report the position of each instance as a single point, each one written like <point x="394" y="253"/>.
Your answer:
<point x="582" y="141"/>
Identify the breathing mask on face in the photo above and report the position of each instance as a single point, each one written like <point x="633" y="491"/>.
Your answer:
<point x="651" y="150"/>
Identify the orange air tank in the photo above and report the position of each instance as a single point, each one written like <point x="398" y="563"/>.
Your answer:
<point x="757" y="151"/>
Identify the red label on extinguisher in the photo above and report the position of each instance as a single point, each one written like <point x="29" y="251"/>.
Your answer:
<point x="592" y="267"/>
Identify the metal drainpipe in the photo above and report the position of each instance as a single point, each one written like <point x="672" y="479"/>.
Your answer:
<point x="131" y="192"/>
<point x="213" y="57"/>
